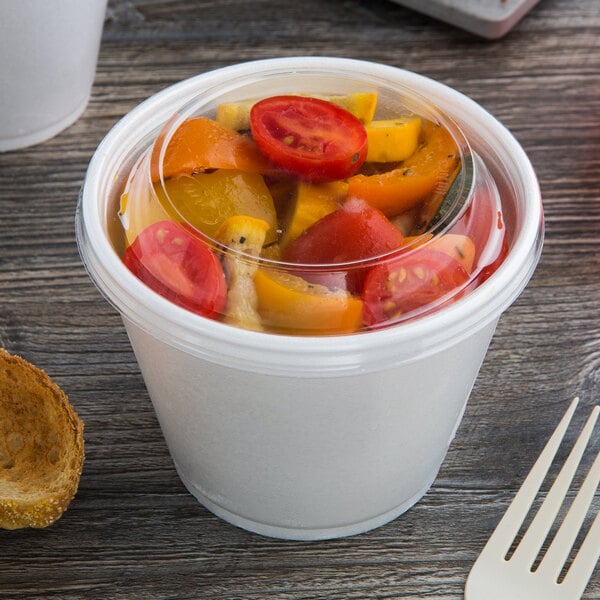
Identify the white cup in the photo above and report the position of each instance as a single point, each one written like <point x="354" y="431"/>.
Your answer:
<point x="308" y="437"/>
<point x="48" y="55"/>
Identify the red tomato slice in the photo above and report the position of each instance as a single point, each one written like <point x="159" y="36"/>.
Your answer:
<point x="179" y="267"/>
<point x="408" y="283"/>
<point x="355" y="231"/>
<point x="311" y="138"/>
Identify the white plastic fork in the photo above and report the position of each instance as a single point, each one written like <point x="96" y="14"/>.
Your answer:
<point x="496" y="577"/>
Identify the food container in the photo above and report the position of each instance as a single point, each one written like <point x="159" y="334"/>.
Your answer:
<point x="48" y="54"/>
<point x="311" y="436"/>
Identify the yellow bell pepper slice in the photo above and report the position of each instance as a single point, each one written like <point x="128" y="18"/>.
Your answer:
<point x="206" y="200"/>
<point x="291" y="305"/>
<point x="311" y="203"/>
<point x="392" y="140"/>
<point x="140" y="206"/>
<point x="361" y="104"/>
<point x="236" y="115"/>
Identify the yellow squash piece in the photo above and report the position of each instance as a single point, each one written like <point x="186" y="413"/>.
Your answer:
<point x="291" y="305"/>
<point x="236" y="115"/>
<point x="392" y="140"/>
<point x="242" y="233"/>
<point x="312" y="202"/>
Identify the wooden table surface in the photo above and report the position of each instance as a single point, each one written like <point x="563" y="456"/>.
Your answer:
<point x="133" y="531"/>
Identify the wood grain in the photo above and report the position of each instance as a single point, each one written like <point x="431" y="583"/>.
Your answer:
<point x="133" y="531"/>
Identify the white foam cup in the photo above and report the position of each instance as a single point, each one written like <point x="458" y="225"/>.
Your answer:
<point x="48" y="55"/>
<point x="308" y="437"/>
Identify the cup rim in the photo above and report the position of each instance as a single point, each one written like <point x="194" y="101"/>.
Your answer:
<point x="286" y="354"/>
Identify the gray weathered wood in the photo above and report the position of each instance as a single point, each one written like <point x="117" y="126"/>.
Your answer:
<point x="133" y="531"/>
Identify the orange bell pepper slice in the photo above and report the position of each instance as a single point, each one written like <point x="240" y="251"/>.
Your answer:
<point x="402" y="188"/>
<point x="460" y="247"/>
<point x="291" y="305"/>
<point x="200" y="143"/>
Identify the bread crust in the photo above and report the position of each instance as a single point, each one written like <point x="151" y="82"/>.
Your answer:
<point x="41" y="446"/>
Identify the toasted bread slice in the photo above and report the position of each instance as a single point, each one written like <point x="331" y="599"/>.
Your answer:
<point x="41" y="446"/>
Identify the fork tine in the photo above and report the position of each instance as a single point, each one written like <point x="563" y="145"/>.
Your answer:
<point x="564" y="539"/>
<point x="535" y="535"/>
<point x="583" y="565"/>
<point x="509" y="525"/>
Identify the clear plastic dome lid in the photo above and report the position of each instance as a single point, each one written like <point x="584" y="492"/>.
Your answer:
<point x="311" y="203"/>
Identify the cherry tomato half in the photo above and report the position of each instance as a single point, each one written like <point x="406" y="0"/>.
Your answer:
<point x="311" y="138"/>
<point x="353" y="232"/>
<point x="179" y="267"/>
<point x="408" y="283"/>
